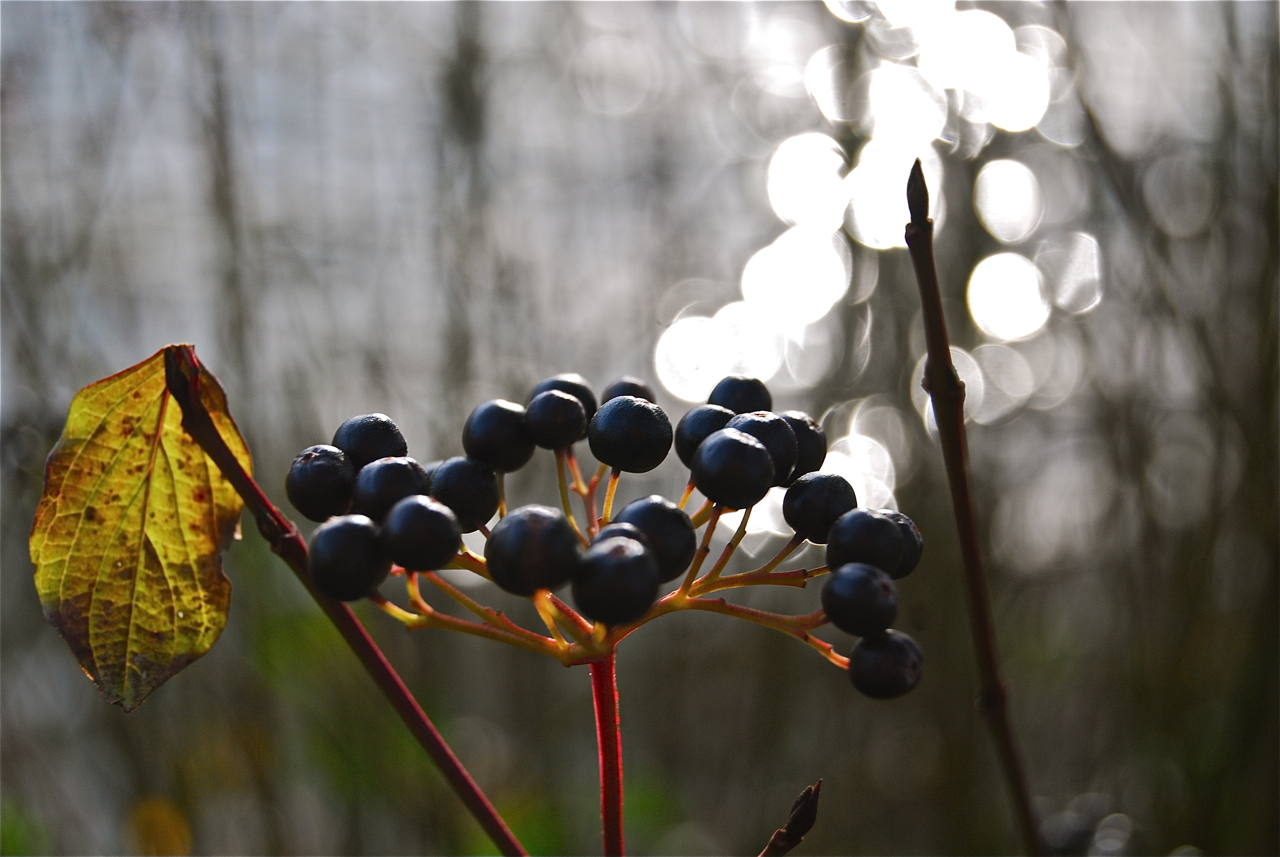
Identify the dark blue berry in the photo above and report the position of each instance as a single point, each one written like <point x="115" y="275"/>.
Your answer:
<point x="369" y="437"/>
<point x="630" y="434"/>
<point x="733" y="469"/>
<point x="616" y="582"/>
<point x="811" y="441"/>
<point x="421" y="534"/>
<point x="495" y="434"/>
<point x="555" y="419"/>
<point x="346" y="559"/>
<point x="864" y="535"/>
<point x="886" y="665"/>
<point x="777" y="437"/>
<point x="621" y="529"/>
<point x="469" y="488"/>
<point x="695" y="426"/>
<point x="573" y="384"/>
<point x="533" y="547"/>
<point x="628" y="385"/>
<point x="860" y="599"/>
<point x="741" y="394"/>
<point x="382" y="483"/>
<point x="913" y="545"/>
<point x="320" y="481"/>
<point x="668" y="532"/>
<point x="814" y="502"/>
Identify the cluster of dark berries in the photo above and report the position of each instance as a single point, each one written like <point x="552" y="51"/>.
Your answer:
<point x="380" y="507"/>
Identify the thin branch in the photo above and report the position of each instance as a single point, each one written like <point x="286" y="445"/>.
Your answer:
<point x="946" y="391"/>
<point x="182" y="376"/>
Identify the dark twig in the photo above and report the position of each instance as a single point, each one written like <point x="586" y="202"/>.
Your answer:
<point x="804" y="812"/>
<point x="182" y="377"/>
<point x="946" y="390"/>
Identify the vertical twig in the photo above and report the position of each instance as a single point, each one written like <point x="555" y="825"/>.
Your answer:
<point x="182" y="376"/>
<point x="604" y="692"/>
<point x="946" y="391"/>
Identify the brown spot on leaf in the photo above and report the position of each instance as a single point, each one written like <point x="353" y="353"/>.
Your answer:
<point x="90" y="514"/>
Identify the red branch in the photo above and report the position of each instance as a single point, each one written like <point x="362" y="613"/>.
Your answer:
<point x="604" y="692"/>
<point x="182" y="376"/>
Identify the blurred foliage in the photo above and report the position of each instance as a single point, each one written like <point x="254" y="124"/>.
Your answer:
<point x="412" y="208"/>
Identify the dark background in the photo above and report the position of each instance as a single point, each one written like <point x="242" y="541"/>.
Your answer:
<point x="412" y="208"/>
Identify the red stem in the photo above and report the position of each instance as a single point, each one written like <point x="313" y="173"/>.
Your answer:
<point x="604" y="692"/>
<point x="182" y="372"/>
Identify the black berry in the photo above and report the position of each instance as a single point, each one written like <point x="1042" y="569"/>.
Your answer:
<point x="777" y="437"/>
<point x="345" y="558"/>
<point x="555" y="419"/>
<point x="741" y="394"/>
<point x="628" y="385"/>
<point x="913" y="544"/>
<point x="864" y="535"/>
<point x="814" y="502"/>
<point x="668" y="532"/>
<point x="616" y="582"/>
<point x="533" y="547"/>
<point x="369" y="437"/>
<point x="630" y="434"/>
<point x="495" y="434"/>
<point x="621" y="529"/>
<point x="811" y="441"/>
<point x="887" y="665"/>
<point x="860" y="599"/>
<point x="573" y="384"/>
<point x="382" y="483"/>
<point x="421" y="534"/>
<point x="695" y="426"/>
<point x="469" y="488"/>
<point x="732" y="469"/>
<point x="320" y="481"/>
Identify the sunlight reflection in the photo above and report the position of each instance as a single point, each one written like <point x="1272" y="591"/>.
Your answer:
<point x="1006" y="298"/>
<point x="691" y="356"/>
<point x="1009" y="382"/>
<point x="869" y="468"/>
<point x="877" y="199"/>
<point x="1006" y="197"/>
<point x="1072" y="270"/>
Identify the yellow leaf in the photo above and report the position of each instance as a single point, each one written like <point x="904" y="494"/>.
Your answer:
<point x="129" y="532"/>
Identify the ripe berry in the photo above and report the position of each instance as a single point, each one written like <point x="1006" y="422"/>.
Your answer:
<point x="533" y="547"/>
<point x="628" y="385"/>
<point x="382" y="483"/>
<point x="616" y="582"/>
<point x="668" y="533"/>
<point x="369" y="437"/>
<point x="621" y="529"/>
<point x="573" y="384"/>
<point x="913" y="545"/>
<point x="733" y="469"/>
<point x="695" y="426"/>
<point x="320" y="481"/>
<point x="421" y="534"/>
<point x="467" y="487"/>
<point x="346" y="559"/>
<point x="814" y="502"/>
<point x="777" y="437"/>
<point x="885" y="665"/>
<point x="811" y="440"/>
<point x="630" y="434"/>
<point x="495" y="434"/>
<point x="860" y="599"/>
<point x="864" y="535"/>
<point x="555" y="419"/>
<point x="741" y="394"/>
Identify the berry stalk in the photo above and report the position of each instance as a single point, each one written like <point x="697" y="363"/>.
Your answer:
<point x="604" y="693"/>
<point x="182" y="375"/>
<point x="946" y="391"/>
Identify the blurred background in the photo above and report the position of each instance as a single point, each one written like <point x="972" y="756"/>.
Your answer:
<point x="413" y="208"/>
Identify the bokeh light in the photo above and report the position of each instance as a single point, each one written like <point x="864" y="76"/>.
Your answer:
<point x="691" y="356"/>
<point x="1007" y="199"/>
<point x="867" y="465"/>
<point x="1006" y="298"/>
<point x="1072" y="271"/>
<point x="806" y="181"/>
<point x="878" y="212"/>
<point x="796" y="279"/>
